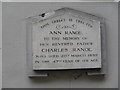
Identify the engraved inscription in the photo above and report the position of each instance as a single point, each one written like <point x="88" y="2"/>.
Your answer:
<point x="66" y="42"/>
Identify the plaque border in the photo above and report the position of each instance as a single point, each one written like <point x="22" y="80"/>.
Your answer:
<point x="45" y="73"/>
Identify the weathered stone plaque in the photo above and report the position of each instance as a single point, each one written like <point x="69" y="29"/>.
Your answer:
<point x="66" y="40"/>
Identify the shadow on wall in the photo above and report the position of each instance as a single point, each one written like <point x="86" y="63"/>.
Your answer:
<point x="68" y="76"/>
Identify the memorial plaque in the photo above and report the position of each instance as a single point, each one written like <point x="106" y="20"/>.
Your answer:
<point x="66" y="40"/>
